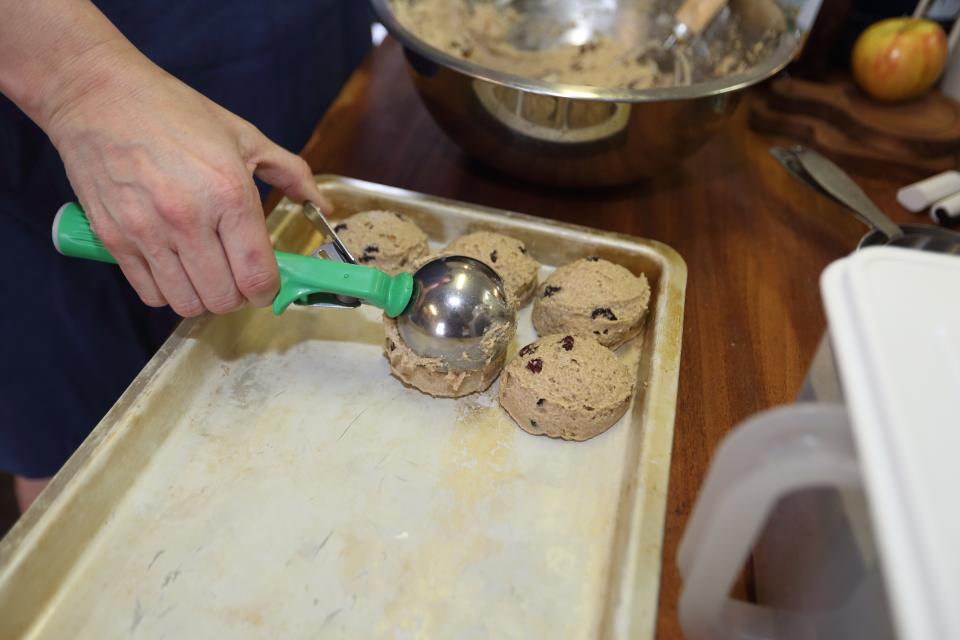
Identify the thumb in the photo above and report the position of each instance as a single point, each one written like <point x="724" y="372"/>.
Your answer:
<point x="288" y="172"/>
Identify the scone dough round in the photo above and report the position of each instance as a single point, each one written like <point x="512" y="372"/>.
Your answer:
<point x="592" y="297"/>
<point x="431" y="376"/>
<point x="383" y="239"/>
<point x="566" y="386"/>
<point x="505" y="255"/>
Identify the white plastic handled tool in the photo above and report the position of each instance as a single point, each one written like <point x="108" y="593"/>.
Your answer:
<point x="920" y="195"/>
<point x="946" y="211"/>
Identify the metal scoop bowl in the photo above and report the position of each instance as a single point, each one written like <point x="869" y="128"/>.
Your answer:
<point x="458" y="312"/>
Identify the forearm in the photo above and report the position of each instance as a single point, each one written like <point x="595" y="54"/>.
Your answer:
<point x="55" y="51"/>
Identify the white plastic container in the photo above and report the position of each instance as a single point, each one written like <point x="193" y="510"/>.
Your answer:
<point x="863" y="539"/>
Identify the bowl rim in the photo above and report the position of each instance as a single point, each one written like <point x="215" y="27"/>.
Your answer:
<point x="786" y="49"/>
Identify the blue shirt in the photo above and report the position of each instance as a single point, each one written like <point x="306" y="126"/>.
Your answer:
<point x="74" y="333"/>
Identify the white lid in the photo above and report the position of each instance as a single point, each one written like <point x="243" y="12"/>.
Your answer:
<point x="894" y="317"/>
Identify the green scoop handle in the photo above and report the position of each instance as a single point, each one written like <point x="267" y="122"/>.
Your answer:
<point x="300" y="276"/>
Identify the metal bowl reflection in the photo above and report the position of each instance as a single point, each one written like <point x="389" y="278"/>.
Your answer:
<point x="459" y="313"/>
<point x="579" y="136"/>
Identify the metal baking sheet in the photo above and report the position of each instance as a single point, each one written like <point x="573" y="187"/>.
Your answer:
<point x="266" y="477"/>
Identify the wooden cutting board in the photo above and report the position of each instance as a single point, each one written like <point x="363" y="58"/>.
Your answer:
<point x="837" y="143"/>
<point x="836" y="117"/>
<point x="929" y="126"/>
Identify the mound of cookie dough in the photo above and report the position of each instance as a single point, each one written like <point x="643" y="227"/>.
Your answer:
<point x="383" y="239"/>
<point x="592" y="297"/>
<point x="505" y="255"/>
<point x="486" y="33"/>
<point x="566" y="386"/>
<point x="432" y="376"/>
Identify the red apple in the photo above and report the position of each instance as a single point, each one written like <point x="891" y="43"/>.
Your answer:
<point x="899" y="58"/>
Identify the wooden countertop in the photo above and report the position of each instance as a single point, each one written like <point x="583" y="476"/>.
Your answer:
<point x="755" y="242"/>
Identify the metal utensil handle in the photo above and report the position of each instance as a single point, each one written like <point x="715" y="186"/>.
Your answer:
<point x="790" y="162"/>
<point x="695" y="16"/>
<point x="332" y="248"/>
<point x="838" y="184"/>
<point x="335" y="249"/>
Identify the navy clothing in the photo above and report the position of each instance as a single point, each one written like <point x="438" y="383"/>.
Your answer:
<point x="75" y="333"/>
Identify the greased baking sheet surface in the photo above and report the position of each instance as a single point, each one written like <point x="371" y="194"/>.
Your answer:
<point x="275" y="480"/>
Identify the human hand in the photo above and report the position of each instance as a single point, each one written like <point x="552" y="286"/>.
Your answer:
<point x="166" y="179"/>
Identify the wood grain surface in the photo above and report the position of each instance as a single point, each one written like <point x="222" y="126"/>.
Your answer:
<point x="755" y="242"/>
<point x="869" y="153"/>
<point x="839" y="119"/>
<point x="927" y="127"/>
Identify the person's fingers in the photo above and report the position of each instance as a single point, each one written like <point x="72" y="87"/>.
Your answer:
<point x="287" y="171"/>
<point x="247" y="247"/>
<point x="127" y="255"/>
<point x="173" y="282"/>
<point x="203" y="258"/>
<point x="137" y="273"/>
<point x="291" y="174"/>
<point x="189" y="225"/>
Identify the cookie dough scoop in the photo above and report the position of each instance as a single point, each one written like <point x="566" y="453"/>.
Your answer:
<point x="452" y="307"/>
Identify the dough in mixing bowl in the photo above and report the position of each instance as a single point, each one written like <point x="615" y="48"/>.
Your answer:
<point x="483" y="33"/>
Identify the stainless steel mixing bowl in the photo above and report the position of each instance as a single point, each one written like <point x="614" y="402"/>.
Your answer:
<point x="577" y="136"/>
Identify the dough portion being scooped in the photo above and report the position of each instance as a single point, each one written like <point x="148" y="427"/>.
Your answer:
<point x="432" y="376"/>
<point x="505" y="255"/>
<point x="566" y="386"/>
<point x="592" y="297"/>
<point x="386" y="240"/>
